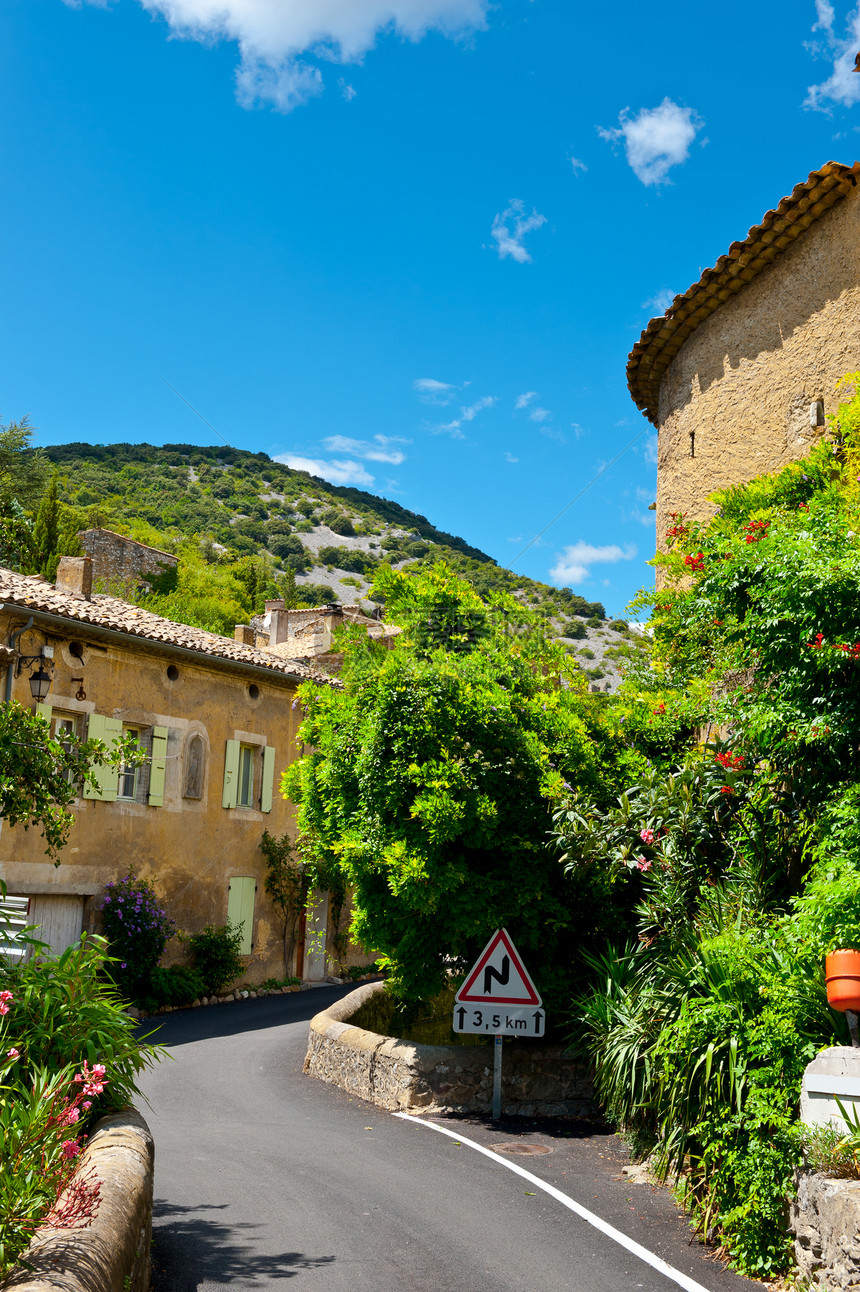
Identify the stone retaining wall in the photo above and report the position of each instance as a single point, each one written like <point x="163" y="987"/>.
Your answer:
<point x="825" y="1221"/>
<point x="538" y="1080"/>
<point x="111" y="1254"/>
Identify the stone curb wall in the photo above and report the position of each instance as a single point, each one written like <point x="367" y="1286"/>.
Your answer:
<point x="538" y="1080"/>
<point x="111" y="1254"/>
<point x="825" y="1220"/>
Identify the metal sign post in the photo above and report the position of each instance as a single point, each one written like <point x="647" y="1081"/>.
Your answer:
<point x="498" y="998"/>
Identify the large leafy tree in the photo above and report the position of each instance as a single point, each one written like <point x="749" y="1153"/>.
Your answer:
<point x="431" y="779"/>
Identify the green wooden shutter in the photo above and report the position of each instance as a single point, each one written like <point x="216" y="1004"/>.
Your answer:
<point x="109" y="731"/>
<point x="157" y="766"/>
<point x="231" y="774"/>
<point x="44" y="711"/>
<point x="240" y="909"/>
<point x="268" y="778"/>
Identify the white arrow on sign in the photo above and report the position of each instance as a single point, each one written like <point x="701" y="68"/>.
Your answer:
<point x="498" y="977"/>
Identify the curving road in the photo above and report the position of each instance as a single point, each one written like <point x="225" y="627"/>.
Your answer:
<point x="263" y="1174"/>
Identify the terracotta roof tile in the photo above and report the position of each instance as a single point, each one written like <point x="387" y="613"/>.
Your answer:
<point x="664" y="336"/>
<point x="32" y="593"/>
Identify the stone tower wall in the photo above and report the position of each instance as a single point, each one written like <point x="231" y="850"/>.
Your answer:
<point x="736" y="399"/>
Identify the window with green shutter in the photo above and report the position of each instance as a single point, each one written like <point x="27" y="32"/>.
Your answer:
<point x="157" y="766"/>
<point x="109" y="731"/>
<point x="231" y="774"/>
<point x="240" y="909"/>
<point x="268" y="782"/>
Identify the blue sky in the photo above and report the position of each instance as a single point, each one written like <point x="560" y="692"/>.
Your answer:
<point x="410" y="241"/>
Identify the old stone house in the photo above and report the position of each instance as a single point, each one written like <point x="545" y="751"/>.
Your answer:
<point x="217" y="720"/>
<point x="122" y="566"/>
<point x="740" y="373"/>
<point x="308" y="634"/>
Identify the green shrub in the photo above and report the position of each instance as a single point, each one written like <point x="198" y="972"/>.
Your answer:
<point x="216" y="956"/>
<point x="137" y="930"/>
<point x="175" y="986"/>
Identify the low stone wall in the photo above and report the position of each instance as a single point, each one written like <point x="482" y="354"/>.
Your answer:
<point x="537" y="1080"/>
<point x="825" y="1221"/>
<point x="111" y="1254"/>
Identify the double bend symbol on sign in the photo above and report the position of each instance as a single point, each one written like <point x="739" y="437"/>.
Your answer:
<point x="498" y="976"/>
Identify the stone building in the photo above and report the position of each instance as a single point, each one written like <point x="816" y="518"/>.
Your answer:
<point x="120" y="565"/>
<point x="740" y="373"/>
<point x="307" y="634"/>
<point x="217" y="721"/>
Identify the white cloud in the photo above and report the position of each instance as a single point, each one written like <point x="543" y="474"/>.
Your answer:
<point x="651" y="450"/>
<point x="578" y="431"/>
<point x="272" y="35"/>
<point x="509" y="457"/>
<point x="348" y="91"/>
<point x="656" y="139"/>
<point x="431" y="391"/>
<point x="575" y="562"/>
<point x="340" y="473"/>
<point x="577" y="165"/>
<point x="540" y="414"/>
<point x="843" y="84"/>
<point x="378" y="450"/>
<point x="523" y="401"/>
<point x="510" y="228"/>
<point x="660" y="301"/>
<point x="466" y="415"/>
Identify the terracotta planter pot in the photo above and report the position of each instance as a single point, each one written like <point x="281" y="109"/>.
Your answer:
<point x="842" y="970"/>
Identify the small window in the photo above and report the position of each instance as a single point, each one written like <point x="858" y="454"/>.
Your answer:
<point x="245" y="796"/>
<point x="65" y="729"/>
<point x="129" y="776"/>
<point x="172" y="672"/>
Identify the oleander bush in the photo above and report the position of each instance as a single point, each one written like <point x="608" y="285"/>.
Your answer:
<point x="68" y="1053"/>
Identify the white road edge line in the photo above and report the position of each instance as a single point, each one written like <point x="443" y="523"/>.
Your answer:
<point x="616" y="1235"/>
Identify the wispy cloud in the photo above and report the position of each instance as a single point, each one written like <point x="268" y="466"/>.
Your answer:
<point x="274" y="35"/>
<point x="510" y="229"/>
<point x="843" y="84"/>
<point x="431" y="391"/>
<point x="575" y="562"/>
<point x="656" y="139"/>
<point x="509" y="457"/>
<point x="540" y="415"/>
<point x="523" y="401"/>
<point x="348" y="91"/>
<point x="338" y="472"/>
<point x="660" y="301"/>
<point x="379" y="449"/>
<point x="651" y="450"/>
<point x="577" y="165"/>
<point x="467" y="414"/>
<point x="578" y="431"/>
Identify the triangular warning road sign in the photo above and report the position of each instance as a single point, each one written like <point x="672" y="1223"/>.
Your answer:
<point x="498" y="977"/>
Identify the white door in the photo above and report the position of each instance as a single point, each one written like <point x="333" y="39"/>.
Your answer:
<point x="61" y="920"/>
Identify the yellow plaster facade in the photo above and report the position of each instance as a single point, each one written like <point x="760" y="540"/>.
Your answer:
<point x="191" y="709"/>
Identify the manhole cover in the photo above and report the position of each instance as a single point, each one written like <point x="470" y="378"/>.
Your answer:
<point x="524" y="1150"/>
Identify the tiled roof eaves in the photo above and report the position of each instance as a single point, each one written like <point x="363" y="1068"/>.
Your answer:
<point x="110" y="615"/>
<point x="744" y="261"/>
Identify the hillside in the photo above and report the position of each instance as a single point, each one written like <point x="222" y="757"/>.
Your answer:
<point x="245" y="524"/>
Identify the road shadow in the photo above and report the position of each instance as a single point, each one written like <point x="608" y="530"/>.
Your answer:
<point x="514" y="1128"/>
<point x="185" y="1026"/>
<point x="191" y="1247"/>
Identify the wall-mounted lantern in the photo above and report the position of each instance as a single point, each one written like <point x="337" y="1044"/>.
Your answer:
<point x="40" y="678"/>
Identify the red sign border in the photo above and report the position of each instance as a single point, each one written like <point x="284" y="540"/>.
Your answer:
<point x="501" y="935"/>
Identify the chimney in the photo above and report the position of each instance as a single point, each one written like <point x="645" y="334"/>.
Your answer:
<point x="75" y="575"/>
<point x="276" y="619"/>
<point x="245" y="635"/>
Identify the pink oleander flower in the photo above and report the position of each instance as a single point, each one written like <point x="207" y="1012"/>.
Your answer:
<point x="647" y="836"/>
<point x="6" y="999"/>
<point x="88" y="1103"/>
<point x="642" y="864"/>
<point x="13" y="1053"/>
<point x="70" y="1148"/>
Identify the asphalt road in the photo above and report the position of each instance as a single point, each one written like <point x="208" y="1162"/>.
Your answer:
<point x="263" y="1174"/>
